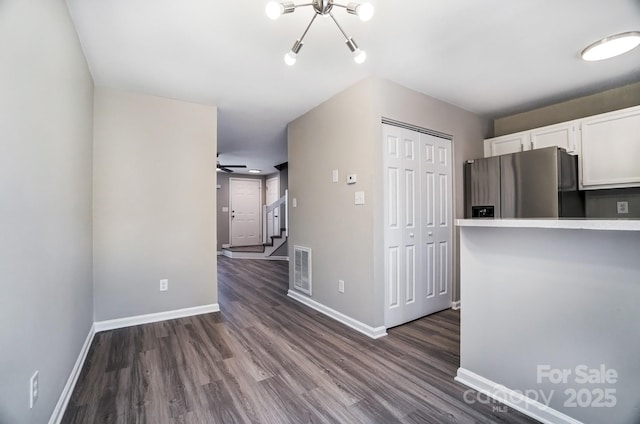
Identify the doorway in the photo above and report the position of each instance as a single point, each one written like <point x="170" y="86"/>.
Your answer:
<point x="245" y="197"/>
<point x="418" y="224"/>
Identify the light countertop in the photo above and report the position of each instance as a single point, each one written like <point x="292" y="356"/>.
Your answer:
<point x="569" y="224"/>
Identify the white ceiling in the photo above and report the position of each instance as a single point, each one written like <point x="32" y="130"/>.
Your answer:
<point x="491" y="57"/>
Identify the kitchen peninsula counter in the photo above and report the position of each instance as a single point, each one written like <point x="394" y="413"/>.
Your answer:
<point x="567" y="224"/>
<point x="549" y="295"/>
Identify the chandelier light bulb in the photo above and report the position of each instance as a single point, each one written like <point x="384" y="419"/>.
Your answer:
<point x="365" y="11"/>
<point x="274" y="10"/>
<point x="612" y="46"/>
<point x="359" y="56"/>
<point x="322" y="8"/>
<point x="290" y="58"/>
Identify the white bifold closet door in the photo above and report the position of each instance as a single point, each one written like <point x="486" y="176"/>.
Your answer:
<point x="418" y="224"/>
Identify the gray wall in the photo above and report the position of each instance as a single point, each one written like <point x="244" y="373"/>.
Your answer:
<point x="282" y="250"/>
<point x="345" y="133"/>
<point x="553" y="297"/>
<point x="46" y="305"/>
<point x="337" y="134"/>
<point x="604" y="203"/>
<point x="154" y="204"/>
<point x="606" y="101"/>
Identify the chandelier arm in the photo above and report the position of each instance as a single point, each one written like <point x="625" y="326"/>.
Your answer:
<point x="315" y="15"/>
<point x="302" y="5"/>
<point x="346" y="37"/>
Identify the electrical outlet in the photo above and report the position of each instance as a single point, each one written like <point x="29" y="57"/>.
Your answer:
<point x="341" y="286"/>
<point x="623" y="207"/>
<point x="164" y="285"/>
<point x="34" y="389"/>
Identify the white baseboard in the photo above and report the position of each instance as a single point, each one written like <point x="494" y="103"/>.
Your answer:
<point x="252" y="255"/>
<point x="160" y="316"/>
<point x="67" y="391"/>
<point x="225" y="246"/>
<point x="65" y="396"/>
<point x="260" y="258"/>
<point x="513" y="399"/>
<point x="374" y="333"/>
<point x="455" y="305"/>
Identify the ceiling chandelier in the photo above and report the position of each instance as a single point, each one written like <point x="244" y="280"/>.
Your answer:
<point x="322" y="8"/>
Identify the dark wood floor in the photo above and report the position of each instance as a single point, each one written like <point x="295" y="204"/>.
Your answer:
<point x="266" y="359"/>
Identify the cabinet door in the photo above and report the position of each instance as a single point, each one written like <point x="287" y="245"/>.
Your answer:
<point x="511" y="143"/>
<point x="610" y="150"/>
<point x="563" y="135"/>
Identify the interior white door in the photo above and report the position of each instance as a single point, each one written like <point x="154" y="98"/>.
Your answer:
<point x="245" y="203"/>
<point x="417" y="219"/>
<point x="272" y="195"/>
<point x="437" y="217"/>
<point x="402" y="264"/>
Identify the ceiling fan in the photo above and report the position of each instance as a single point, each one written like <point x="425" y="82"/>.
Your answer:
<point x="226" y="168"/>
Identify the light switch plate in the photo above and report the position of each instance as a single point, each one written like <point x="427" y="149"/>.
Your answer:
<point x="623" y="207"/>
<point x="352" y="178"/>
<point x="294" y="203"/>
<point x="359" y="198"/>
<point x="335" y="176"/>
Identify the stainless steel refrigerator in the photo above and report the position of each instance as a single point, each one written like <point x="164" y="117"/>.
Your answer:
<point x="540" y="183"/>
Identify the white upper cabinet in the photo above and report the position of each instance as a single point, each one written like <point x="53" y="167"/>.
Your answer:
<point x="560" y="135"/>
<point x="511" y="143"/>
<point x="608" y="146"/>
<point x="610" y="150"/>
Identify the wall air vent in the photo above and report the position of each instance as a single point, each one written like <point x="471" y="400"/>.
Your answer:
<point x="302" y="269"/>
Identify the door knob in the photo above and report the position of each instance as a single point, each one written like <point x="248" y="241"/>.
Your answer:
<point x="430" y="234"/>
<point x="411" y="235"/>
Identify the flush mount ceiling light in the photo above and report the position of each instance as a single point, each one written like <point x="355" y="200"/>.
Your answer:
<point x="322" y="8"/>
<point x="611" y="46"/>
